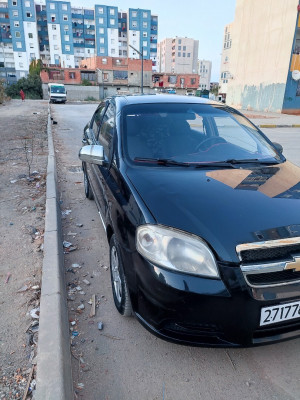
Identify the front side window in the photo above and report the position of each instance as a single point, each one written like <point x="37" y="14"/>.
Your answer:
<point x="97" y="120"/>
<point x="192" y="133"/>
<point x="107" y="130"/>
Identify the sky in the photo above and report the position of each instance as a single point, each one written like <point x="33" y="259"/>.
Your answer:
<point x="202" y="20"/>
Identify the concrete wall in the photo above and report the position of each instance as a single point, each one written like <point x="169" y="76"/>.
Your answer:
<point x="81" y="93"/>
<point x="262" y="39"/>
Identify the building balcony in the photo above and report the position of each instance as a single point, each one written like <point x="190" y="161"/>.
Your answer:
<point x="3" y="9"/>
<point x="153" y="50"/>
<point x="44" y="12"/>
<point x="153" y="31"/>
<point x="42" y="23"/>
<point x="77" y="25"/>
<point x="87" y="36"/>
<point x="87" y="26"/>
<point x="153" y="22"/>
<point x="6" y="40"/>
<point x="78" y="16"/>
<point x="4" y="20"/>
<point x="153" y="41"/>
<point x="89" y="46"/>
<point x="89" y="17"/>
<point x="78" y="45"/>
<point x="42" y="33"/>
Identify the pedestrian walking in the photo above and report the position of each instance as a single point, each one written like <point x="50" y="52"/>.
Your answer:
<point x="22" y="95"/>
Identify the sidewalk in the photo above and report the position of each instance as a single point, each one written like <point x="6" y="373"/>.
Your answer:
<point x="273" y="120"/>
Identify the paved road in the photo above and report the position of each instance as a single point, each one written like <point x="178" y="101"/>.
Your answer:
<point x="126" y="362"/>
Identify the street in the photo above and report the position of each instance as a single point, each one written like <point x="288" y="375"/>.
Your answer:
<point x="124" y="361"/>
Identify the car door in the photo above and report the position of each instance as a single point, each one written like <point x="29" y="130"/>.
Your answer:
<point x="101" y="172"/>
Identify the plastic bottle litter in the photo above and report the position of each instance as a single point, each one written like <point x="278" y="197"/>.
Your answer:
<point x="100" y="326"/>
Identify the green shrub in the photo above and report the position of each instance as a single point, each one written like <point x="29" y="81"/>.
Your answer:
<point x="32" y="87"/>
<point x="2" y="91"/>
<point x="85" y="82"/>
<point x="90" y="98"/>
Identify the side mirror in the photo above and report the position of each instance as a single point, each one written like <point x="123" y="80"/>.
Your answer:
<point x="278" y="147"/>
<point x="93" y="154"/>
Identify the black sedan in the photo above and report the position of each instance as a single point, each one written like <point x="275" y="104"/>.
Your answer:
<point x="202" y="214"/>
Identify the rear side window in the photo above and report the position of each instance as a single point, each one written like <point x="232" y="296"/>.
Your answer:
<point x="107" y="130"/>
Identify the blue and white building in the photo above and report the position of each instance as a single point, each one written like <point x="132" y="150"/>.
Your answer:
<point x="62" y="35"/>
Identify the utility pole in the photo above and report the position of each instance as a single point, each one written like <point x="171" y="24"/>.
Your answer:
<point x="142" y="56"/>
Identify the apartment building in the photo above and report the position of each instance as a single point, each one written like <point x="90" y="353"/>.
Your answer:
<point x="63" y="35"/>
<point x="204" y="70"/>
<point x="178" y="55"/>
<point x="225" y="74"/>
<point x="265" y="56"/>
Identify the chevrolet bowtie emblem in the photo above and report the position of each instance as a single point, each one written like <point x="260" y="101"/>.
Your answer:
<point x="295" y="264"/>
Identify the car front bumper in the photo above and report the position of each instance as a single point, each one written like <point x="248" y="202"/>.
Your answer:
<point x="193" y="310"/>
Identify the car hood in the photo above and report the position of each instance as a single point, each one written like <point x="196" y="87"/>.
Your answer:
<point x="225" y="207"/>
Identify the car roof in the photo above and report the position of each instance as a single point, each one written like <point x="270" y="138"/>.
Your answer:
<point x="122" y="101"/>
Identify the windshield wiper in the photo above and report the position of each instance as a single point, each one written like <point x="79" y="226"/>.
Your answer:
<point x="252" y="160"/>
<point x="162" y="161"/>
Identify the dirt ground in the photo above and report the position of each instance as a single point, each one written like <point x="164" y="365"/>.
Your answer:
<point x="23" y="134"/>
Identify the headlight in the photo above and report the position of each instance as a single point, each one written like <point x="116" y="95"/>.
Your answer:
<point x="176" y="250"/>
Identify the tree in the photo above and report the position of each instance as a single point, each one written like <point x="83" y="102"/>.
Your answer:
<point x="32" y="86"/>
<point x="215" y="90"/>
<point x="2" y="91"/>
<point x="35" y="67"/>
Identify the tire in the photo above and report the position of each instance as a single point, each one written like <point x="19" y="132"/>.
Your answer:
<point x="118" y="280"/>
<point x="87" y="187"/>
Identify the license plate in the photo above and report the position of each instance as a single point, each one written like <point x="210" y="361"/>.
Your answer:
<point x="279" y="313"/>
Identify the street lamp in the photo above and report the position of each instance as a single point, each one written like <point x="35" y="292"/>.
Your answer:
<point x="142" y="55"/>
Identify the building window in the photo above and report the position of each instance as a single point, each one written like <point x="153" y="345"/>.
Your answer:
<point x="15" y="3"/>
<point x="16" y="24"/>
<point x="53" y="18"/>
<point x="184" y="48"/>
<point x="298" y="89"/>
<point x="67" y="38"/>
<point x="179" y="47"/>
<point x="30" y="35"/>
<point x="55" y="47"/>
<point x="17" y="34"/>
<point x="27" y="4"/>
<point x="101" y="40"/>
<point x="179" y="54"/>
<point x="32" y="56"/>
<point x="112" y="21"/>
<point x="145" y="24"/>
<point x="65" y="17"/>
<point x="179" y="41"/>
<point x="66" y="27"/>
<point x="112" y="11"/>
<point x="189" y="54"/>
<point x="113" y="51"/>
<point x="145" y="15"/>
<point x="145" y="43"/>
<point x="193" y="81"/>
<point x="19" y="45"/>
<point x="183" y="54"/>
<point x="67" y="47"/>
<point x="15" y="14"/>
<point x="145" y="53"/>
<point x="19" y="54"/>
<point x="28" y="15"/>
<point x="54" y="27"/>
<point x="54" y="37"/>
<point x="28" y="24"/>
<point x="101" y="31"/>
<point x="21" y="65"/>
<point x="134" y="14"/>
<point x="112" y="41"/>
<point x="102" y="49"/>
<point x="64" y="7"/>
<point x="134" y="24"/>
<point x="100" y="10"/>
<point x="145" y="34"/>
<point x="101" y="20"/>
<point x="104" y="60"/>
<point x="52" y="6"/>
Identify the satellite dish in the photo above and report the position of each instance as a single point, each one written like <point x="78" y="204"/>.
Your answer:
<point x="296" y="75"/>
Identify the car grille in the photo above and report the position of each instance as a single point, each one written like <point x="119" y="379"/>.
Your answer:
<point x="269" y="254"/>
<point x="273" y="278"/>
<point x="263" y="263"/>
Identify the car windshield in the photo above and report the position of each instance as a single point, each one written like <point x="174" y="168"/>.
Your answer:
<point x="58" y="89"/>
<point x="192" y="133"/>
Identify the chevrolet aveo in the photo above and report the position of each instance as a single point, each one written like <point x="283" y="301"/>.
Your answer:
<point x="202" y="215"/>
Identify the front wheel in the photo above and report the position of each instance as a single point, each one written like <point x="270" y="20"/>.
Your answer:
<point x="118" y="280"/>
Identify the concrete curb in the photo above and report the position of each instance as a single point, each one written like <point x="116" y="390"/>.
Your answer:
<point x="279" y="126"/>
<point x="54" y="376"/>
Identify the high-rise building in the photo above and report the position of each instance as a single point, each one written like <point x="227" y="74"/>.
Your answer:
<point x="264" y="60"/>
<point x="204" y="70"/>
<point x="60" y="34"/>
<point x="178" y="55"/>
<point x="225" y="73"/>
